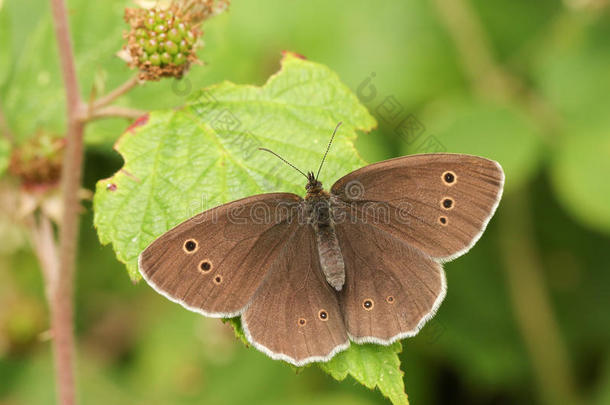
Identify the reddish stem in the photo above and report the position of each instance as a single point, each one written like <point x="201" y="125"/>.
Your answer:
<point x="60" y="298"/>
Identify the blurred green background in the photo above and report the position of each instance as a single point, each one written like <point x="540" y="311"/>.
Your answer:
<point x="525" y="83"/>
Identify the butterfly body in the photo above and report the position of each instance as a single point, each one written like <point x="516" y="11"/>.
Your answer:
<point x="319" y="211"/>
<point x="361" y="262"/>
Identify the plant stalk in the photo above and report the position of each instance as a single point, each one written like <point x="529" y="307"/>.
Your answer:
<point x="61" y="296"/>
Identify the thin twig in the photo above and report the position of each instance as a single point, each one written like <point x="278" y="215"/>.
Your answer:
<point x="112" y="111"/>
<point x="114" y="94"/>
<point x="61" y="298"/>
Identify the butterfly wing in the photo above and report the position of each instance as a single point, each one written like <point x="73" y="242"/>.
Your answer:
<point x="391" y="289"/>
<point x="438" y="203"/>
<point x="214" y="262"/>
<point x="295" y="314"/>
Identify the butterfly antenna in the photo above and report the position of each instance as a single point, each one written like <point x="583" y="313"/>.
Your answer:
<point x="283" y="160"/>
<point x="328" y="147"/>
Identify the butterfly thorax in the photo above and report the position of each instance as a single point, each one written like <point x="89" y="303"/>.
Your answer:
<point x="318" y="212"/>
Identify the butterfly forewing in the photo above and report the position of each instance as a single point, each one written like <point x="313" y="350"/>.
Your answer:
<point x="295" y="314"/>
<point x="214" y="262"/>
<point x="438" y="203"/>
<point x="390" y="289"/>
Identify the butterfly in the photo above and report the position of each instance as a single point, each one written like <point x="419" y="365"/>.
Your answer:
<point x="361" y="262"/>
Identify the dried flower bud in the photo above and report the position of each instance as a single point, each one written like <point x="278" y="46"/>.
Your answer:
<point x="38" y="162"/>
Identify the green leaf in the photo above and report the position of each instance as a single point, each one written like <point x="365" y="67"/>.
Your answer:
<point x="239" y="331"/>
<point x="372" y="366"/>
<point x="573" y="76"/>
<point x="184" y="161"/>
<point x="579" y="173"/>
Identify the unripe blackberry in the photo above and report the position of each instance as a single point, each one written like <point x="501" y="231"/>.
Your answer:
<point x="37" y="162"/>
<point x="155" y="59"/>
<point x="162" y="42"/>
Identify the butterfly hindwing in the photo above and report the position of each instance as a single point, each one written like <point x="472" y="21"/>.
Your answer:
<point x="295" y="314"/>
<point x="214" y="262"/>
<point x="391" y="289"/>
<point x="438" y="203"/>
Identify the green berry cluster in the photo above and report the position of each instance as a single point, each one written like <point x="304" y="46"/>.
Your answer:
<point x="164" y="39"/>
<point x="161" y="42"/>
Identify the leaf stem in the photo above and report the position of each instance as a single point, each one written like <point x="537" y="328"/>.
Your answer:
<point x="61" y="295"/>
<point x="114" y="94"/>
<point x="116" y="111"/>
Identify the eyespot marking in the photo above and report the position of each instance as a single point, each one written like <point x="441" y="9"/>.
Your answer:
<point x="323" y="315"/>
<point x="443" y="221"/>
<point x="301" y="322"/>
<point x="190" y="246"/>
<point x="368" y="304"/>
<point x="447" y="203"/>
<point x="449" y="178"/>
<point x="205" y="266"/>
<point x="390" y="299"/>
<point x="218" y="280"/>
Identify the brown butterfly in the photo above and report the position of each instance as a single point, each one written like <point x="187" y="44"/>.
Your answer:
<point x="361" y="263"/>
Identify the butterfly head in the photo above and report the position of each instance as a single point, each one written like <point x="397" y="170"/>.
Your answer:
<point x="314" y="186"/>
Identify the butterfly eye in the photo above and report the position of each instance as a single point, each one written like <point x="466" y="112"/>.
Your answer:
<point x="442" y="221"/>
<point x="449" y="178"/>
<point x="447" y="203"/>
<point x="217" y="280"/>
<point x="302" y="322"/>
<point x="368" y="304"/>
<point x="190" y="246"/>
<point x="323" y="315"/>
<point x="205" y="266"/>
<point x="390" y="299"/>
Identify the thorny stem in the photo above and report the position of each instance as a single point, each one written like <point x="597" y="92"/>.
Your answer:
<point x="530" y="297"/>
<point x="61" y="295"/>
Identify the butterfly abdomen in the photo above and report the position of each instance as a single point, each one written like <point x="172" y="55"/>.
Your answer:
<point x="331" y="259"/>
